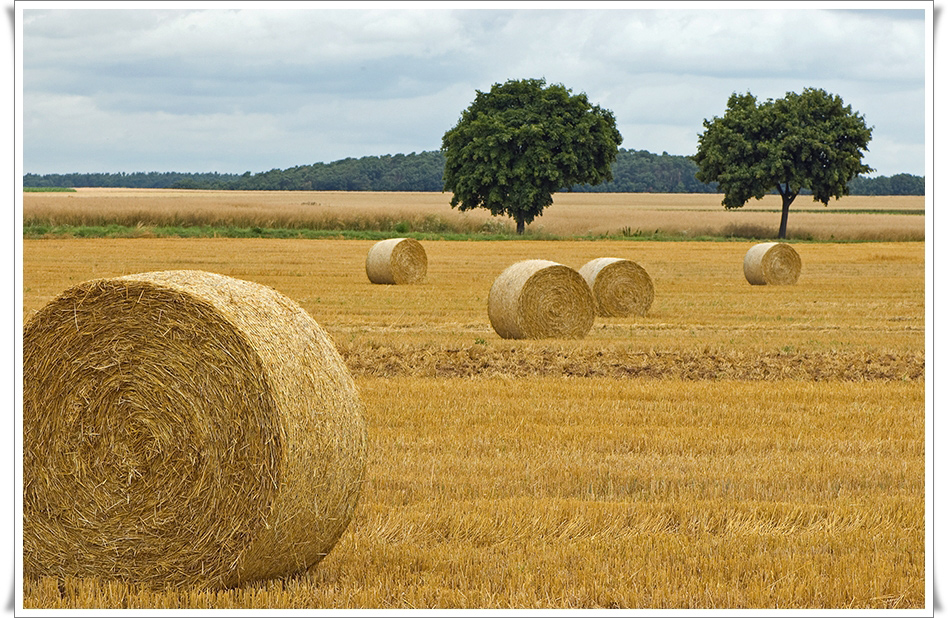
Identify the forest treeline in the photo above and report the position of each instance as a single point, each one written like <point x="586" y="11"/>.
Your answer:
<point x="634" y="171"/>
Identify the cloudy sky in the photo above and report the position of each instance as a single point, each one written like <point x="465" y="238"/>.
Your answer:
<point x="233" y="89"/>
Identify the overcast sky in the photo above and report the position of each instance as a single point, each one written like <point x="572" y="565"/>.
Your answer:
<point x="225" y="90"/>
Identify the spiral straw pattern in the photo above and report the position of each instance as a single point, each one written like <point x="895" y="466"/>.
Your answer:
<point x="184" y="428"/>
<point x="397" y="261"/>
<point x="620" y="287"/>
<point x="540" y="299"/>
<point x="772" y="263"/>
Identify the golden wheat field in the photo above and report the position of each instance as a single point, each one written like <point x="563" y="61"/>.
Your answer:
<point x="572" y="214"/>
<point x="738" y="447"/>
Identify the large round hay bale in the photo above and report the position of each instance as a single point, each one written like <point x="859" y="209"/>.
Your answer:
<point x="540" y="299"/>
<point x="772" y="263"/>
<point x="184" y="428"/>
<point x="396" y="260"/>
<point x="620" y="287"/>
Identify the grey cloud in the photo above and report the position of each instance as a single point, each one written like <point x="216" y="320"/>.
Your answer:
<point x="185" y="69"/>
<point x="327" y="84"/>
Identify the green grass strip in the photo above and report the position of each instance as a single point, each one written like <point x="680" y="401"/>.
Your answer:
<point x="827" y="211"/>
<point x="34" y="231"/>
<point x="40" y="231"/>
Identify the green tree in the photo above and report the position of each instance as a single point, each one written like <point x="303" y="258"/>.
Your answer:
<point x="802" y="141"/>
<point x="521" y="142"/>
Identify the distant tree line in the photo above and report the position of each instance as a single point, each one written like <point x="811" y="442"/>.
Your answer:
<point x="634" y="171"/>
<point x="899" y="184"/>
<point x="640" y="171"/>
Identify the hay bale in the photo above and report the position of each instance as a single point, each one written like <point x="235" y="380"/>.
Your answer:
<point x="620" y="287"/>
<point x="184" y="428"/>
<point x="396" y="260"/>
<point x="772" y="263"/>
<point x="539" y="299"/>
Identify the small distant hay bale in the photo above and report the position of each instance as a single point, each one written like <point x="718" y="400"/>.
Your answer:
<point x="183" y="428"/>
<point x="620" y="287"/>
<point x="540" y="299"/>
<point x="772" y="263"/>
<point x="396" y="261"/>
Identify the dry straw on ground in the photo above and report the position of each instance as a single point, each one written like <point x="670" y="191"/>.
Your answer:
<point x="772" y="263"/>
<point x="539" y="299"/>
<point x="620" y="287"/>
<point x="396" y="260"/>
<point x="184" y="428"/>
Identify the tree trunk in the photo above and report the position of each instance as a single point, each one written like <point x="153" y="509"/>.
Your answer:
<point x="519" y="226"/>
<point x="787" y="198"/>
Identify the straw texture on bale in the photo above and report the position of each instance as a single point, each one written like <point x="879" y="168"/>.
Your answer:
<point x="772" y="263"/>
<point x="397" y="261"/>
<point x="540" y="299"/>
<point x="184" y="428"/>
<point x="620" y="287"/>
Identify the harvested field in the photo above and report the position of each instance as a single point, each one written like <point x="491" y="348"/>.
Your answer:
<point x="850" y="297"/>
<point x="596" y="493"/>
<point x="738" y="447"/>
<point x="391" y="360"/>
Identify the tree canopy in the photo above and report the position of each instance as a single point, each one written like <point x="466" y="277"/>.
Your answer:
<point x="521" y="142"/>
<point x="802" y="141"/>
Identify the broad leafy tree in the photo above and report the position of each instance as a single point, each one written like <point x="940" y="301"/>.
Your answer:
<point x="523" y="141"/>
<point x="802" y="141"/>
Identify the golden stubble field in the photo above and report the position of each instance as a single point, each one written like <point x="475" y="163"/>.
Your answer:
<point x="739" y="447"/>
